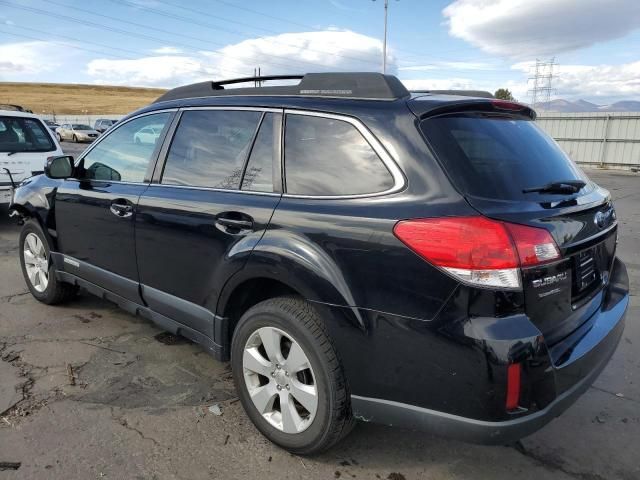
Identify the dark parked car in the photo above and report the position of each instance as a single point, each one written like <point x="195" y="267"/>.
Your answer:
<point x="355" y="250"/>
<point x="103" y="124"/>
<point x="51" y="125"/>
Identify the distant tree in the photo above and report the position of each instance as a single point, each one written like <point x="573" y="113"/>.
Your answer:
<point x="503" y="94"/>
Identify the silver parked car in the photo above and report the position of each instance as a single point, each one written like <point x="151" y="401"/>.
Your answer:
<point x="76" y="132"/>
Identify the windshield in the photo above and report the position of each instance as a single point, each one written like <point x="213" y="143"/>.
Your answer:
<point x="20" y="134"/>
<point x="82" y="127"/>
<point x="498" y="157"/>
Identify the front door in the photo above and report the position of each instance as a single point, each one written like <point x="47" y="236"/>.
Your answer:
<point x="197" y="224"/>
<point x="95" y="212"/>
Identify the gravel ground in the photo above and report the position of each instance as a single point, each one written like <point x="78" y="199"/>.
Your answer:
<point x="138" y="405"/>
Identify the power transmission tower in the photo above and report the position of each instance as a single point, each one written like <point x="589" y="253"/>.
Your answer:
<point x="542" y="82"/>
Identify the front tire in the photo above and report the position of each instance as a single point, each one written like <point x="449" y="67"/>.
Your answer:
<point x="288" y="376"/>
<point x="75" y="139"/>
<point x="60" y="139"/>
<point x="38" y="269"/>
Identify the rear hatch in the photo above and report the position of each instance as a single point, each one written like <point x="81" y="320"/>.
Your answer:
<point x="508" y="169"/>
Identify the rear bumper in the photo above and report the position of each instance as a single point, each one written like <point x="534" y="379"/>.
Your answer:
<point x="575" y="364"/>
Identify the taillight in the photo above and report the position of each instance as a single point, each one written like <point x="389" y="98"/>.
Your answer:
<point x="535" y="245"/>
<point x="478" y="250"/>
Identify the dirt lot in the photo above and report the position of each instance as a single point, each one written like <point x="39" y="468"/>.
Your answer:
<point x="139" y="406"/>
<point x="76" y="99"/>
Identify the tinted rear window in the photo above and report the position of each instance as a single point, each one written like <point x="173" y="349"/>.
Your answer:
<point x="498" y="157"/>
<point x="325" y="156"/>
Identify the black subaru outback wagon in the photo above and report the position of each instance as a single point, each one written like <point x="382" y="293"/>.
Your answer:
<point x="356" y="250"/>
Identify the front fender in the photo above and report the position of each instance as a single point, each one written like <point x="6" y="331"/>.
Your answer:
<point x="35" y="198"/>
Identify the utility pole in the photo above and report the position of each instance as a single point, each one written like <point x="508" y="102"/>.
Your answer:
<point x="384" y="44"/>
<point x="384" y="41"/>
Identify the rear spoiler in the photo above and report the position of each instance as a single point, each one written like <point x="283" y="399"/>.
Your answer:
<point x="424" y="107"/>
<point x="459" y="93"/>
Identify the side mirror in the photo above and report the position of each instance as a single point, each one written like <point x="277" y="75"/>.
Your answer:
<point x="59" y="167"/>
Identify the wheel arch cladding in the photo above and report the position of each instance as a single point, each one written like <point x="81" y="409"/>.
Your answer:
<point x="298" y="265"/>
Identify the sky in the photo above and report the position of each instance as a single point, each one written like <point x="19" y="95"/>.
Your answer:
<point x="432" y="44"/>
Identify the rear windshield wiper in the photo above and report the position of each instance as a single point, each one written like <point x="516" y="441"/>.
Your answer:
<point x="563" y="186"/>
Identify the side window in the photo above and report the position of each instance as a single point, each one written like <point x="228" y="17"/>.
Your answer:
<point x="324" y="156"/>
<point x="210" y="147"/>
<point x="124" y="154"/>
<point x="258" y="176"/>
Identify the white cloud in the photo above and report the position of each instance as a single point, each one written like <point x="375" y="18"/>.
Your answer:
<point x="525" y="28"/>
<point x="519" y="90"/>
<point x="28" y="58"/>
<point x="440" y="84"/>
<point x="287" y="53"/>
<point x="167" y="50"/>
<point x="149" y="71"/>
<point x="605" y="82"/>
<point x="303" y="52"/>
<point x="449" y="66"/>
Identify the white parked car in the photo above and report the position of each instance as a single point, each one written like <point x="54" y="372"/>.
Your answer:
<point x="76" y="132"/>
<point x="25" y="145"/>
<point x="148" y="134"/>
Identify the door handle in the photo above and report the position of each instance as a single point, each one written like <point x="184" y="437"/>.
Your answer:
<point x="121" y="208"/>
<point x="231" y="223"/>
<point x="241" y="224"/>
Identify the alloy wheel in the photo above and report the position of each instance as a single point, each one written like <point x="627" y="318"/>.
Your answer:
<point x="36" y="262"/>
<point x="280" y="380"/>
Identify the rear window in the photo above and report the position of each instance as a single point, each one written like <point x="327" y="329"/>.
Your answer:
<point x="325" y="156"/>
<point x="20" y="134"/>
<point x="498" y="157"/>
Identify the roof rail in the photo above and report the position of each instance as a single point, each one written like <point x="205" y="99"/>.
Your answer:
<point x="256" y="80"/>
<point x="357" y="85"/>
<point x="460" y="93"/>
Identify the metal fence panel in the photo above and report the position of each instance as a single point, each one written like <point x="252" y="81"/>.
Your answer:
<point x="83" y="119"/>
<point x="607" y="139"/>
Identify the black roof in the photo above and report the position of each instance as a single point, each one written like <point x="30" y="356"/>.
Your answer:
<point x="363" y="85"/>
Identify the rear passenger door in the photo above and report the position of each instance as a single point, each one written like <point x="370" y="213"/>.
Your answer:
<point x="208" y="205"/>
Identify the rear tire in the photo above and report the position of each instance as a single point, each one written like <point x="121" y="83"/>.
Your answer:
<point x="38" y="269"/>
<point x="75" y="139"/>
<point x="325" y="417"/>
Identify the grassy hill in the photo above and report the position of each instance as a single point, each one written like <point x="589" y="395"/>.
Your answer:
<point x="76" y="99"/>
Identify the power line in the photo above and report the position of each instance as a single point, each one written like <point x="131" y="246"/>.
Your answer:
<point x="129" y="33"/>
<point x="66" y="45"/>
<point x="312" y="28"/>
<point x="82" y="40"/>
<point x="233" y="32"/>
<point x="280" y="19"/>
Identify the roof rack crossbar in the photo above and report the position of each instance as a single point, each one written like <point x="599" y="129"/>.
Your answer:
<point x="220" y="85"/>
